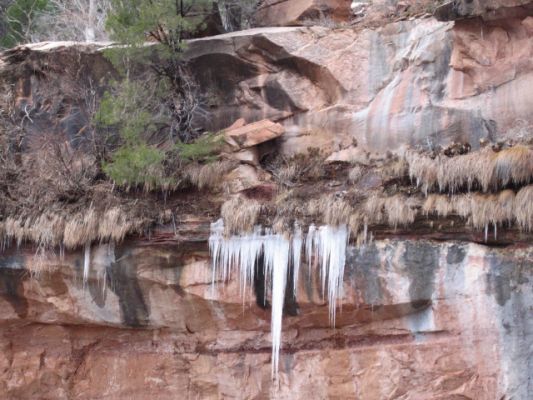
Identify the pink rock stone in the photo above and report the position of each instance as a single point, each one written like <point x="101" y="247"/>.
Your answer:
<point x="255" y="133"/>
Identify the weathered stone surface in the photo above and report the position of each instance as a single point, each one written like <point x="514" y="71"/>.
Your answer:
<point x="487" y="9"/>
<point x="245" y="177"/>
<point x="296" y="12"/>
<point x="250" y="135"/>
<point x="412" y="82"/>
<point x="419" y="320"/>
<point x="409" y="82"/>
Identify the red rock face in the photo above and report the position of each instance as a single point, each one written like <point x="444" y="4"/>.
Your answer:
<point x="297" y="12"/>
<point x="403" y="83"/>
<point x="410" y="82"/>
<point x="419" y="320"/>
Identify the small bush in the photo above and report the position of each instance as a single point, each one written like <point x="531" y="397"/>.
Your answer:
<point x="137" y="165"/>
<point x="205" y="148"/>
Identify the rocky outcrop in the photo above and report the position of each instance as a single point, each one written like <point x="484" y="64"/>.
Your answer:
<point x="298" y="12"/>
<point x="419" y="319"/>
<point x="491" y="9"/>
<point x="431" y="309"/>
<point x="418" y="83"/>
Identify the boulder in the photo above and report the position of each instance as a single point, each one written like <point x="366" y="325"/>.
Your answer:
<point x="244" y="177"/>
<point x="244" y="136"/>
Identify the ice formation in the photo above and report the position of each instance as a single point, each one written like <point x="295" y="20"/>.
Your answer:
<point x="86" y="263"/>
<point x="329" y="245"/>
<point x="325" y="250"/>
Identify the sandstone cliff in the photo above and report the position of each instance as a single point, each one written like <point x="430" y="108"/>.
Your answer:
<point x="438" y="287"/>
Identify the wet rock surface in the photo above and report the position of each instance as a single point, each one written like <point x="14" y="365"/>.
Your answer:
<point x="419" y="319"/>
<point x="426" y="312"/>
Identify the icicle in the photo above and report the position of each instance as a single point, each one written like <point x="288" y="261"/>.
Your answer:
<point x="486" y="232"/>
<point x="495" y="231"/>
<point x="296" y="256"/>
<point x="324" y="247"/>
<point x="249" y="251"/>
<point x="310" y="247"/>
<point x="86" y="262"/>
<point x="277" y="252"/>
<point x="227" y="253"/>
<point x="215" y="243"/>
<point x="331" y="246"/>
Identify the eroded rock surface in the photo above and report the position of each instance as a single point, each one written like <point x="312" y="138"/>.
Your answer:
<point x="412" y="82"/>
<point x="419" y="319"/>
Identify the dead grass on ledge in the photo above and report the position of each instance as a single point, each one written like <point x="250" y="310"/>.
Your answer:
<point x="486" y="168"/>
<point x="240" y="214"/>
<point x="208" y="176"/>
<point x="49" y="230"/>
<point x="482" y="210"/>
<point x="400" y="210"/>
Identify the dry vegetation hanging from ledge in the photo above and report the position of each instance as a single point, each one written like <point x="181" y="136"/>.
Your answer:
<point x="482" y="210"/>
<point x="484" y="169"/>
<point x="492" y="183"/>
<point x="51" y="229"/>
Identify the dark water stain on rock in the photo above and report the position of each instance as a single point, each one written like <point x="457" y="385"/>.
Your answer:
<point x="97" y="292"/>
<point x="506" y="276"/>
<point x="259" y="284"/>
<point x="123" y="281"/>
<point x="11" y="289"/>
<point x="290" y="305"/>
<point x="456" y="254"/>
<point x="510" y="282"/>
<point x="362" y="268"/>
<point x="421" y="261"/>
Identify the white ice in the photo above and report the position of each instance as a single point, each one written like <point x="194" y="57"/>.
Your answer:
<point x="325" y="249"/>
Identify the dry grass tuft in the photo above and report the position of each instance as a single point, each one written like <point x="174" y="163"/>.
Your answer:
<point x="482" y="210"/>
<point x="114" y="225"/>
<point x="400" y="210"/>
<point x="355" y="223"/>
<point x="208" y="176"/>
<point x="81" y="228"/>
<point x="240" y="214"/>
<point x="513" y="165"/>
<point x="373" y="209"/>
<point x="14" y="229"/>
<point x="49" y="230"/>
<point x="485" y="168"/>
<point x="396" y="168"/>
<point x="463" y="171"/>
<point x="524" y="208"/>
<point x="439" y="204"/>
<point x="330" y="209"/>
<point x="462" y="205"/>
<point x="337" y="213"/>
<point x="290" y="171"/>
<point x="423" y="170"/>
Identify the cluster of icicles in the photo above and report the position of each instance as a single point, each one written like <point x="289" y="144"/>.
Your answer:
<point x="325" y="250"/>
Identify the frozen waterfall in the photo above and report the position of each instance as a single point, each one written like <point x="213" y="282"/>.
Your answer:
<point x="325" y="250"/>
